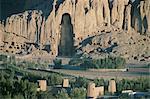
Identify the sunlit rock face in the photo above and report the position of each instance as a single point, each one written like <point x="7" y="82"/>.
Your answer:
<point x="63" y="24"/>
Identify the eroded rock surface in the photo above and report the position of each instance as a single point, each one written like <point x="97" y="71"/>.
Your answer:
<point x="119" y="27"/>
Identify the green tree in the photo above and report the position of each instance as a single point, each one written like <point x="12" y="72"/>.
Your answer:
<point x="76" y="61"/>
<point x="87" y="64"/>
<point x="5" y="96"/>
<point x="54" y="79"/>
<point x="81" y="82"/>
<point x="109" y="63"/>
<point x="45" y="95"/>
<point x="99" y="82"/>
<point x="30" y="89"/>
<point x="57" y="63"/>
<point x="62" y="94"/>
<point x="19" y="96"/>
<point x="78" y="93"/>
<point x="3" y="57"/>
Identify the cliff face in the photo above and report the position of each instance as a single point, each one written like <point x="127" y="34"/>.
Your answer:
<point x="116" y="22"/>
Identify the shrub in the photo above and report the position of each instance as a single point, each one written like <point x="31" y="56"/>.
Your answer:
<point x="54" y="79"/>
<point x="57" y="63"/>
<point x="76" y="61"/>
<point x="3" y="57"/>
<point x="109" y="63"/>
<point x="99" y="82"/>
<point x="78" y="93"/>
<point x="62" y="94"/>
<point x="81" y="82"/>
<point x="140" y="84"/>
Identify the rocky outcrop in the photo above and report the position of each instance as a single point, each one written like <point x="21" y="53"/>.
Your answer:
<point x="118" y="12"/>
<point x="1" y="33"/>
<point x="127" y="20"/>
<point x="20" y="31"/>
<point x="32" y="30"/>
<point x="132" y="47"/>
<point x="27" y="25"/>
<point x="140" y="14"/>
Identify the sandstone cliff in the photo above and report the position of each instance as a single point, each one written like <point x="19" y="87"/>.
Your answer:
<point x="118" y="27"/>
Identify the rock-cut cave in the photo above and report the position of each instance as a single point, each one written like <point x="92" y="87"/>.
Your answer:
<point x="66" y="48"/>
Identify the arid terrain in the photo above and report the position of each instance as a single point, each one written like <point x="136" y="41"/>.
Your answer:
<point x="94" y="29"/>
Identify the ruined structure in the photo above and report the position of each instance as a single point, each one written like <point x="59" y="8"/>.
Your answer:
<point x="93" y="92"/>
<point x="42" y="85"/>
<point x="92" y="27"/>
<point x="65" y="83"/>
<point x="112" y="86"/>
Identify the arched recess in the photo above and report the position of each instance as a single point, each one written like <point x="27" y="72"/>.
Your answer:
<point x="66" y="44"/>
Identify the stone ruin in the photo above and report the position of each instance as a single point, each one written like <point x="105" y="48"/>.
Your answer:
<point x="112" y="86"/>
<point x="42" y="85"/>
<point x="92" y="27"/>
<point x="65" y="83"/>
<point x="94" y="92"/>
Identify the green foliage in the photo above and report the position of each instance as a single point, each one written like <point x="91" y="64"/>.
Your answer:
<point x="54" y="79"/>
<point x="8" y="59"/>
<point x="27" y="64"/>
<point x="32" y="64"/>
<point x="99" y="82"/>
<point x="140" y="84"/>
<point x="45" y="95"/>
<point x="75" y="61"/>
<point x="16" y="89"/>
<point x="12" y="60"/>
<point x="87" y="64"/>
<point x="13" y="88"/>
<point x="19" y="96"/>
<point x="57" y="63"/>
<point x="148" y="65"/>
<point x="108" y="63"/>
<point x="62" y="94"/>
<point x="80" y="82"/>
<point x="78" y="93"/>
<point x="5" y="96"/>
<point x="3" y="57"/>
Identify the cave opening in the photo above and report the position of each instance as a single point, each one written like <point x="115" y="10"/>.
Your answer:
<point x="66" y="44"/>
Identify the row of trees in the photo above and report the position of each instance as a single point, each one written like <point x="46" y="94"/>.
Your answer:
<point x="75" y="93"/>
<point x="13" y="88"/>
<point x="25" y="88"/>
<point x="3" y="57"/>
<point x="140" y="84"/>
<point x="109" y="63"/>
<point x="85" y="63"/>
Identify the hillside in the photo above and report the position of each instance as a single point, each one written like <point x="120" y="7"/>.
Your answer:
<point x="75" y="28"/>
